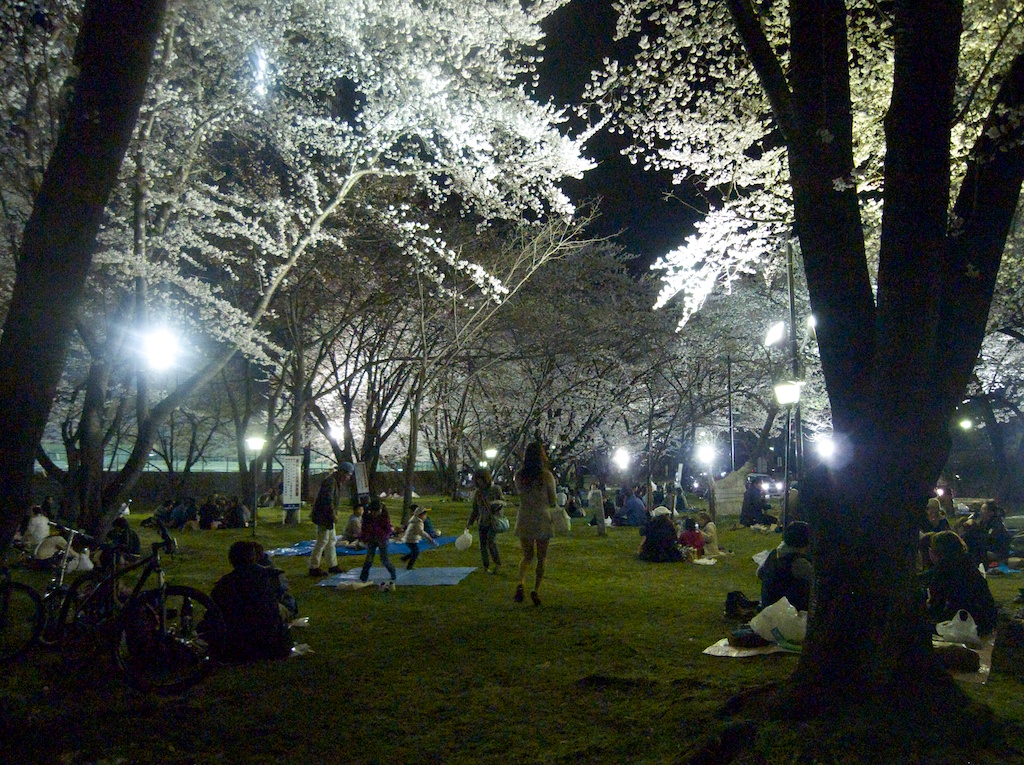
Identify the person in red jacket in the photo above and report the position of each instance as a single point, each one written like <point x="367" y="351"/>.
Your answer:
<point x="692" y="538"/>
<point x="376" y="533"/>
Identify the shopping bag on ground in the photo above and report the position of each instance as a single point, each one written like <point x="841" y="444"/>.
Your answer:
<point x="784" y="617"/>
<point x="960" y="629"/>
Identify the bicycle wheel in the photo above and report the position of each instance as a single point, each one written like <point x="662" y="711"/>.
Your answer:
<point x="168" y="639"/>
<point x="53" y="606"/>
<point x="86" y="615"/>
<point x="21" y="619"/>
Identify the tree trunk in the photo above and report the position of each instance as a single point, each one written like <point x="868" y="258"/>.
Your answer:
<point x="113" y="54"/>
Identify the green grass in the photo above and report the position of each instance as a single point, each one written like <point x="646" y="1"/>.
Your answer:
<point x="608" y="670"/>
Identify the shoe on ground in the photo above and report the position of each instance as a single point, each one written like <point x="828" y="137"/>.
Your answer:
<point x="535" y="598"/>
<point x="518" y="597"/>
<point x="334" y="570"/>
<point x="316" y="572"/>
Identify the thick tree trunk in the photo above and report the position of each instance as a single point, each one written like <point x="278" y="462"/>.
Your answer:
<point x="113" y="55"/>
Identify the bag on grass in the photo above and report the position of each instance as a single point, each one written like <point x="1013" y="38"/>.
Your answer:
<point x="783" y="616"/>
<point x="560" y="522"/>
<point x="960" y="629"/>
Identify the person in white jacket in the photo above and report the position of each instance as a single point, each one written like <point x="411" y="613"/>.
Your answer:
<point x="37" y="530"/>
<point x="414" y="532"/>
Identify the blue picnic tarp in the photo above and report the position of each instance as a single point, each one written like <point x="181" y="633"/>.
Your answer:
<point x="394" y="548"/>
<point x="404" y="577"/>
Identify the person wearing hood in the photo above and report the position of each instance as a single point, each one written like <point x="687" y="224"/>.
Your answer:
<point x="787" y="571"/>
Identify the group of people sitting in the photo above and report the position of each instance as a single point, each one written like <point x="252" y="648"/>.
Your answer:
<point x="217" y="512"/>
<point x="664" y="540"/>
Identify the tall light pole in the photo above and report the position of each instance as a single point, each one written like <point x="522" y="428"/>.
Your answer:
<point x="788" y="395"/>
<point x="255" y="445"/>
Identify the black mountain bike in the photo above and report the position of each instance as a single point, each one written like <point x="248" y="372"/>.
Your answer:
<point x="163" y="639"/>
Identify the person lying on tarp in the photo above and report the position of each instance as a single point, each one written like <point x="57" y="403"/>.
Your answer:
<point x="954" y="582"/>
<point x="787" y="571"/>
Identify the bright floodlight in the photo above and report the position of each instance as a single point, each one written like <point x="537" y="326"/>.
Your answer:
<point x="255" y="443"/>
<point x="775" y="333"/>
<point x="706" y="453"/>
<point x="337" y="433"/>
<point x="788" y="392"/>
<point x="825" y="447"/>
<point x="812" y="322"/>
<point x="490" y="453"/>
<point x="966" y="424"/>
<point x="482" y="463"/>
<point x="621" y="458"/>
<point x="160" y="347"/>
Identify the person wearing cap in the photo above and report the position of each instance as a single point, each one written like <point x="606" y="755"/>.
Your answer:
<point x="787" y="571"/>
<point x="325" y="515"/>
<point x="414" y="532"/>
<point x="659" y="539"/>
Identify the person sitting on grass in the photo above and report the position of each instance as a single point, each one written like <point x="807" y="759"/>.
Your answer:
<point x="787" y="571"/>
<point x="255" y="621"/>
<point x="987" y="539"/>
<point x="953" y="582"/>
<point x="709" y="531"/>
<point x="659" y="539"/>
<point x="353" y="528"/>
<point x="691" y="537"/>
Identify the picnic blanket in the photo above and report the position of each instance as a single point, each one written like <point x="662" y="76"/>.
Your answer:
<point x="394" y="548"/>
<point x="722" y="648"/>
<point x="416" y="577"/>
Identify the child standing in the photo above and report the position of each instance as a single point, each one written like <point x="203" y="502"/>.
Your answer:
<point x="414" y="532"/>
<point x="375" y="535"/>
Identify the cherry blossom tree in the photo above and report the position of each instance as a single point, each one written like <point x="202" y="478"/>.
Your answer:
<point x="271" y="131"/>
<point x="887" y="138"/>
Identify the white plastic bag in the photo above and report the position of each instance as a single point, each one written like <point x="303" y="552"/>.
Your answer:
<point x="79" y="561"/>
<point x="960" y="629"/>
<point x="464" y="541"/>
<point x="760" y="558"/>
<point x="781" y="615"/>
<point x="561" y="525"/>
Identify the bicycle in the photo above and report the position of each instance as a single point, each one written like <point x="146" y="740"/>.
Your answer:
<point x="21" y="617"/>
<point x="163" y="639"/>
<point x="56" y="590"/>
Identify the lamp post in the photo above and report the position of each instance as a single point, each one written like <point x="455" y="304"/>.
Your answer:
<point x="788" y="395"/>
<point x="255" y="445"/>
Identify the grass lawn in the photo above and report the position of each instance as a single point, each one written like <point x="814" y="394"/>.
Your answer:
<point x="609" y="669"/>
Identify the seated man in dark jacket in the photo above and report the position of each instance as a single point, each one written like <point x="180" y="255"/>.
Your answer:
<point x="954" y="582"/>
<point x="787" y="571"/>
<point x="255" y="621"/>
<point x="659" y="539"/>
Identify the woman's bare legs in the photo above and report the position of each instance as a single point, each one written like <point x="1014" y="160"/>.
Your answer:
<point x="542" y="554"/>
<point x="524" y="564"/>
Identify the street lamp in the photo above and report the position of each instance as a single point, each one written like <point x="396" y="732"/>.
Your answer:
<point x="490" y="454"/>
<point x="621" y="458"/>
<point x="160" y="348"/>
<point x="255" y="445"/>
<point x="788" y="395"/>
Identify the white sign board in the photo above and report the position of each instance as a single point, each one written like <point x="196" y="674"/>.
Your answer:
<point x="362" y="484"/>
<point x="291" y="480"/>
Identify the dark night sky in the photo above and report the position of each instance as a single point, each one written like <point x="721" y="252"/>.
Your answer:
<point x="632" y="201"/>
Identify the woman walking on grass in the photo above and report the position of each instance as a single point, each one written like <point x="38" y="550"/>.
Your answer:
<point x="535" y="485"/>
